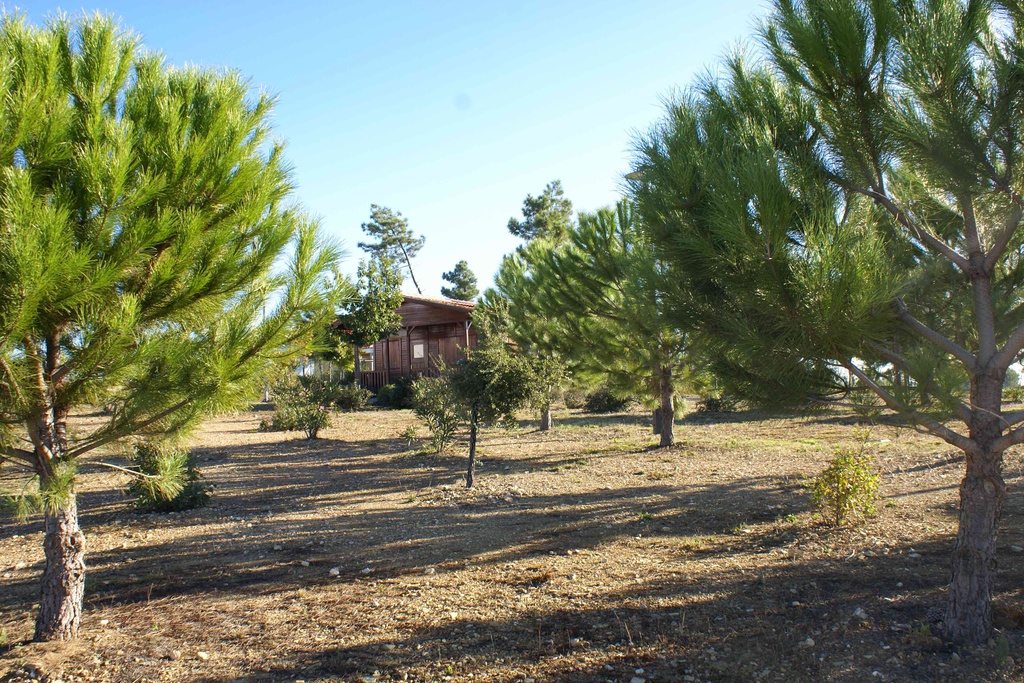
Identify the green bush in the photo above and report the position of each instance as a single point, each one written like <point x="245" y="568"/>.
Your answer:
<point x="574" y="400"/>
<point x="1013" y="395"/>
<point x="847" y="489"/>
<point x="172" y="481"/>
<point x="398" y="394"/>
<point x="349" y="397"/>
<point x="434" y="401"/>
<point x="716" y="404"/>
<point x="302" y="404"/>
<point x="604" y="401"/>
<point x="281" y="421"/>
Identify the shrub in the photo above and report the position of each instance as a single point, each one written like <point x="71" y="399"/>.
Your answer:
<point x="716" y="404"/>
<point x="434" y="401"/>
<point x="398" y="394"/>
<point x="410" y="435"/>
<point x="303" y="404"/>
<point x="350" y="397"/>
<point x="604" y="401"/>
<point x="172" y="482"/>
<point x="1013" y="395"/>
<point x="574" y="400"/>
<point x="848" y="488"/>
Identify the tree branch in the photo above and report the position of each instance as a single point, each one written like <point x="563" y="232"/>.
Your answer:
<point x="963" y="412"/>
<point x="1002" y="240"/>
<point x="1014" y="438"/>
<point x="949" y="346"/>
<point x="134" y="473"/>
<point x="931" y="425"/>
<point x="970" y="226"/>
<point x="1013" y="418"/>
<point x="1006" y="355"/>
<point x="905" y="220"/>
<point x="920" y="232"/>
<point x="19" y="457"/>
<point x="125" y="431"/>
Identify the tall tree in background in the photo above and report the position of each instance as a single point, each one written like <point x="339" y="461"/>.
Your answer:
<point x="462" y="281"/>
<point x="548" y="216"/>
<point x="857" y="208"/>
<point x="395" y="241"/>
<point x="142" y="210"/>
<point x="373" y="313"/>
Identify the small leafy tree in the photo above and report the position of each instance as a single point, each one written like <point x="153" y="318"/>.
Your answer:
<point x="463" y="283"/>
<point x="537" y="333"/>
<point x="492" y="383"/>
<point x="435" y="403"/>
<point x="304" y="404"/>
<point x="372" y="313"/>
<point x="597" y="300"/>
<point x="142" y="212"/>
<point x="848" y="488"/>
<point x="395" y="241"/>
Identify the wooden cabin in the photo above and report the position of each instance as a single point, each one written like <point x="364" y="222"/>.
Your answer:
<point x="432" y="329"/>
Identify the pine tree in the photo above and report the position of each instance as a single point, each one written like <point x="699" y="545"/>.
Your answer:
<point x="847" y="219"/>
<point x="462" y="281"/>
<point x="396" y="242"/>
<point x="548" y="216"/>
<point x="142" y="209"/>
<point x="597" y="299"/>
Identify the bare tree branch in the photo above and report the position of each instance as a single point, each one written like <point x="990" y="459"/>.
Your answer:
<point x="970" y="226"/>
<point x="1013" y="418"/>
<point x="949" y="346"/>
<point x="929" y="424"/>
<point x="134" y="473"/>
<point x="905" y="220"/>
<point x="18" y="457"/>
<point x="1006" y="355"/>
<point x="1014" y="438"/>
<point x="1002" y="240"/>
<point x="126" y="430"/>
<point x="963" y="412"/>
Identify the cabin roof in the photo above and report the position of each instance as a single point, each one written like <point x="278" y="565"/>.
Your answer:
<point x="439" y="302"/>
<point x="417" y="310"/>
<point x="448" y="310"/>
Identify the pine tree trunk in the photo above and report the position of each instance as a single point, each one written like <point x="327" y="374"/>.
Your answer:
<point x="667" y="410"/>
<point x="472" y="447"/>
<point x="63" y="585"/>
<point x="968" y="618"/>
<point x="656" y="421"/>
<point x="969" y="610"/>
<point x="545" y="418"/>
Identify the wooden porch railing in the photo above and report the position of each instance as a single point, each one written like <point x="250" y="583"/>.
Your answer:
<point x="376" y="379"/>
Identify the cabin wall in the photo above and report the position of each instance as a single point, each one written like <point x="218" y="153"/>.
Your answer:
<point x="394" y="357"/>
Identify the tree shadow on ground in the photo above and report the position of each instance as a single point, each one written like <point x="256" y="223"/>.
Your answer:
<point x="793" y="622"/>
<point x="254" y="543"/>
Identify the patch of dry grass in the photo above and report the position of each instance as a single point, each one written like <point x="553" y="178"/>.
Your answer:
<point x="583" y="554"/>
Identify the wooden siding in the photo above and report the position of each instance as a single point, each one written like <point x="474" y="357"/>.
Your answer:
<point x="442" y="326"/>
<point x="393" y="357"/>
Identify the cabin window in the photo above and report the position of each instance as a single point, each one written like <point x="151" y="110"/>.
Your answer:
<point x="366" y="358"/>
<point x="417" y="350"/>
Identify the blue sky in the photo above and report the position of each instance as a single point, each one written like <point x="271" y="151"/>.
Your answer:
<point x="450" y="112"/>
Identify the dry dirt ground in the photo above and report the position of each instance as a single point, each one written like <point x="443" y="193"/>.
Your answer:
<point x="583" y="554"/>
